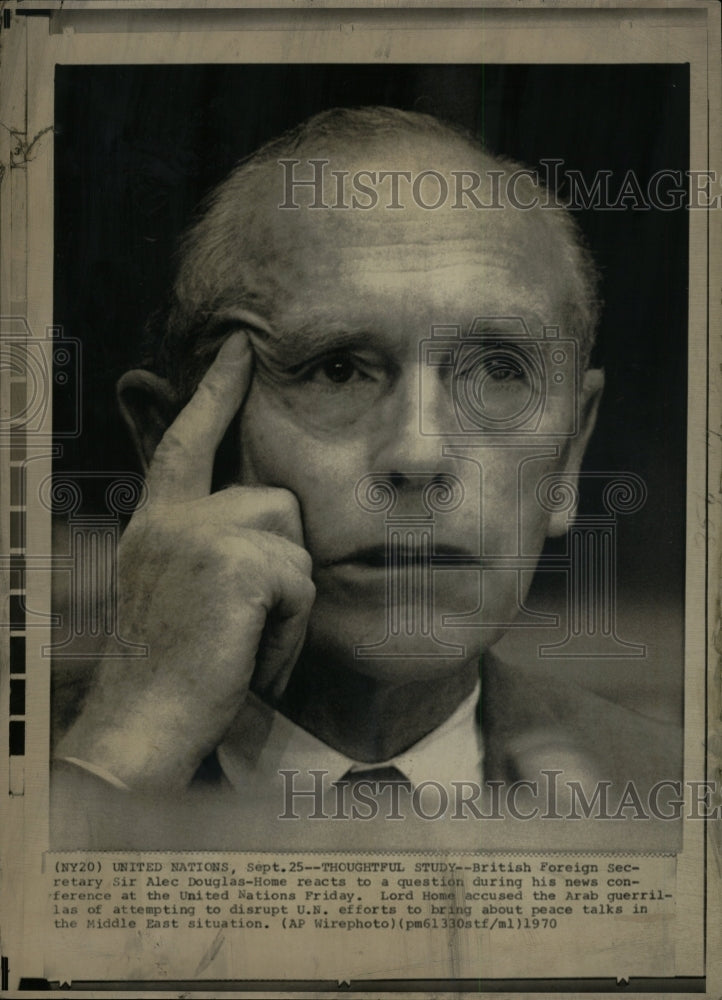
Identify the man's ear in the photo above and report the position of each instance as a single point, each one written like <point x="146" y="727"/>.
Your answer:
<point x="592" y="386"/>
<point x="149" y="407"/>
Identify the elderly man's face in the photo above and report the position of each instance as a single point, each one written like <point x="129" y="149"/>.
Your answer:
<point x="339" y="384"/>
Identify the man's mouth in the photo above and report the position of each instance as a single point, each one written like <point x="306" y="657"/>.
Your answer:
<point x="390" y="556"/>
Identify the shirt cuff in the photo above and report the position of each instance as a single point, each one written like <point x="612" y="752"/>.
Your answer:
<point x="99" y="772"/>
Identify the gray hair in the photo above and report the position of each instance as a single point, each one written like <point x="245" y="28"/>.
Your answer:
<point x="208" y="280"/>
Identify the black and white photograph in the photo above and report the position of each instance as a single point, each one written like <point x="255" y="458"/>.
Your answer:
<point x="361" y="534"/>
<point x="418" y="340"/>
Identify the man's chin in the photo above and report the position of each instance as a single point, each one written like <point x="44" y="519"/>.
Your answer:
<point x="388" y="646"/>
<point x="378" y="595"/>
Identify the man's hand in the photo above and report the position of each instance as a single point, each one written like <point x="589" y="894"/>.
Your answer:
<point x="217" y="586"/>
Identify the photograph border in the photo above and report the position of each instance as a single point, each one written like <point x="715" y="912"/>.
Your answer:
<point x="36" y="36"/>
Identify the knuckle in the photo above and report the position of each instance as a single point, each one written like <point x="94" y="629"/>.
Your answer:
<point x="291" y="554"/>
<point x="264" y="507"/>
<point x="282" y="502"/>
<point x="229" y="553"/>
<point x="308" y="590"/>
<point x="140" y="531"/>
<point x="305" y="561"/>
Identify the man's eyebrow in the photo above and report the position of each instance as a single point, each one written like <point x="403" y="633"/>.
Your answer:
<point x="310" y="332"/>
<point x="314" y="335"/>
<point x="308" y="339"/>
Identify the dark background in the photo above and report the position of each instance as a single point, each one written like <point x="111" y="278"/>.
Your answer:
<point x="136" y="147"/>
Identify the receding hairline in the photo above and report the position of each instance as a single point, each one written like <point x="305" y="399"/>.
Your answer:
<point x="340" y="134"/>
<point x="210" y="266"/>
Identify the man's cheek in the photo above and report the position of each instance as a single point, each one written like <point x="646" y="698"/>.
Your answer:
<point x="276" y="452"/>
<point x="264" y="442"/>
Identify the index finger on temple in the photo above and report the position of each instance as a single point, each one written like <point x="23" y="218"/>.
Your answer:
<point x="182" y="466"/>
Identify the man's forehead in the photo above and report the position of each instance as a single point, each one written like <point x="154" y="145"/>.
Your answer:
<point x="489" y="255"/>
<point x="403" y="173"/>
<point x="402" y="257"/>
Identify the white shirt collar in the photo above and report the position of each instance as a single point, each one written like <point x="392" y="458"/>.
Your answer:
<point x="263" y="742"/>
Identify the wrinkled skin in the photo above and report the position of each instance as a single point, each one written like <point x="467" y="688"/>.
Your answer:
<point x="238" y="587"/>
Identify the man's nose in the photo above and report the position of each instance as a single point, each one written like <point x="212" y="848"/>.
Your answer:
<point x="415" y="426"/>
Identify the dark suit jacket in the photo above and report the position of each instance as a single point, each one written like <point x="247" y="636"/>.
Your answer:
<point x="534" y="733"/>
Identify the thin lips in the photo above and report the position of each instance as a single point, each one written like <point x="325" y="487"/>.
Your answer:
<point x="377" y="555"/>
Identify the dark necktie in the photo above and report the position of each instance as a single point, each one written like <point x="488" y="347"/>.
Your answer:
<point x="375" y="777"/>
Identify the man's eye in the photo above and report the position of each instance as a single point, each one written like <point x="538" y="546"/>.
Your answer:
<point x="338" y="369"/>
<point x="497" y="364"/>
<point x="504" y="369"/>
